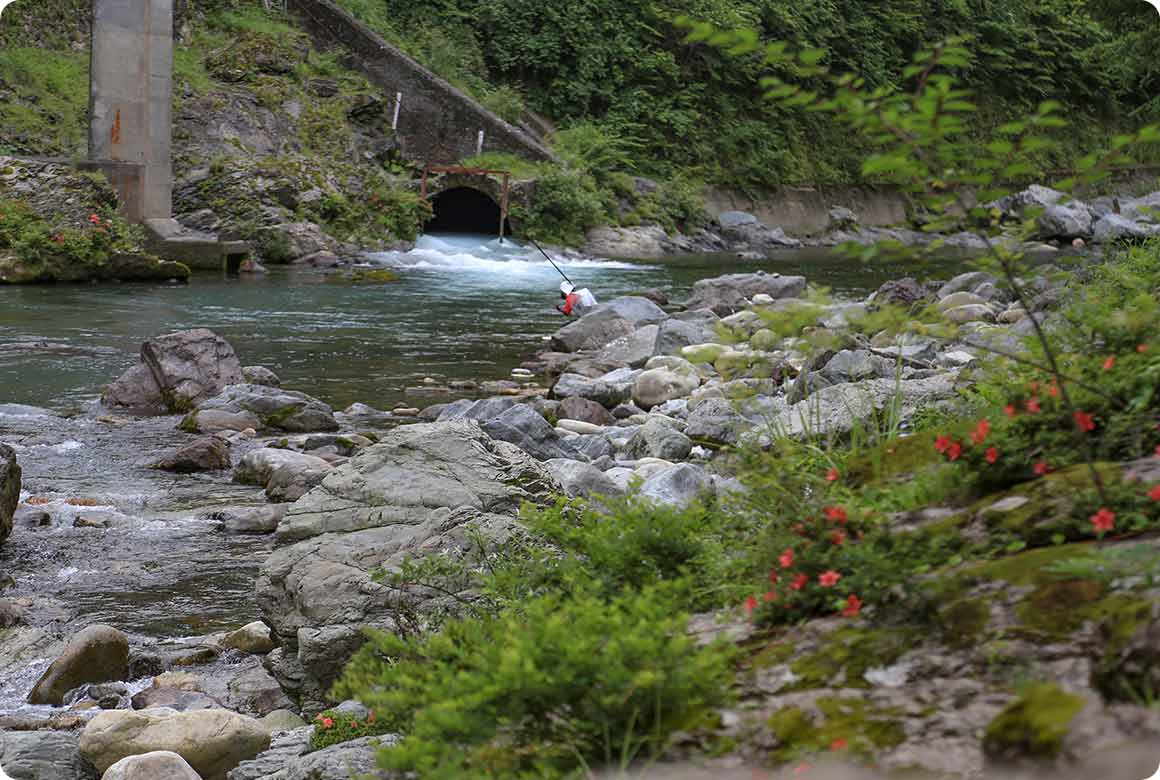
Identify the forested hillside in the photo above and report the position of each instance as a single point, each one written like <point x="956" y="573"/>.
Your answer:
<point x="693" y="109"/>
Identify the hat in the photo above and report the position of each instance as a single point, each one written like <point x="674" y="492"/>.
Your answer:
<point x="567" y="287"/>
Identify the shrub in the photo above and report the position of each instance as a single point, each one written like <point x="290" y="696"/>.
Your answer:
<point x="540" y="691"/>
<point x="333" y="728"/>
<point x="565" y="206"/>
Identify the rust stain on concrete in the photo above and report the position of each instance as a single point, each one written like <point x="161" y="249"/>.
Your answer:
<point x="115" y="131"/>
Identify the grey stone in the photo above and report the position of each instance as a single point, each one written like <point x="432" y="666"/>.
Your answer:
<point x="975" y="312"/>
<point x="582" y="479"/>
<point x="837" y="409"/>
<point x="286" y="475"/>
<point x="855" y="365"/>
<point x="158" y="765"/>
<point x="253" y="638"/>
<point x="632" y="350"/>
<point x="1065" y="221"/>
<point x="676" y="486"/>
<point x="271" y="764"/>
<point x="645" y="242"/>
<point x="260" y="375"/>
<point x="96" y="654"/>
<point x="584" y="410"/>
<point x="591" y="332"/>
<point x="961" y="298"/>
<point x="177" y="371"/>
<point x="9" y="490"/>
<point x="247" y="519"/>
<point x="841" y="218"/>
<point x="255" y="692"/>
<point x="609" y="390"/>
<point x="965" y="282"/>
<point x="658" y="385"/>
<point x="174" y="699"/>
<point x="730" y="219"/>
<point x="717" y="421"/>
<point x="1116" y="228"/>
<point x="414" y="493"/>
<point x="43" y="755"/>
<point x="354" y="760"/>
<point x="730" y="293"/>
<point x="212" y="741"/>
<point x="528" y="430"/>
<point x="674" y="334"/>
<point x="658" y="439"/>
<point x="282" y="410"/>
<point x="207" y="453"/>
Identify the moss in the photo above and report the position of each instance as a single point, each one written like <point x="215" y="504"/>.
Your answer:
<point x="1056" y="609"/>
<point x="963" y="621"/>
<point x="277" y="418"/>
<point x="189" y="423"/>
<point x="851" y="652"/>
<point x="894" y="459"/>
<point x="772" y="654"/>
<point x="1034" y="725"/>
<point x="865" y="729"/>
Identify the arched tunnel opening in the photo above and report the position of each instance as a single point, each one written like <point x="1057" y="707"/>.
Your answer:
<point x="465" y="210"/>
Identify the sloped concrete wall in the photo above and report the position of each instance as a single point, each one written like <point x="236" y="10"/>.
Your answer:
<point x="437" y="123"/>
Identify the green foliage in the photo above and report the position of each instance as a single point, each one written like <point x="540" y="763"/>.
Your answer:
<point x="334" y="728"/>
<point x="540" y="691"/>
<point x="37" y="241"/>
<point x="46" y="111"/>
<point x="1137" y="562"/>
<point x="1033" y="725"/>
<point x="566" y="205"/>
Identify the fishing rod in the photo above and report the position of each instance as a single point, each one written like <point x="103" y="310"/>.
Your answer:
<point x="550" y="260"/>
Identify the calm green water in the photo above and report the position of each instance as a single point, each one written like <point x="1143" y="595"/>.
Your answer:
<point x="466" y="307"/>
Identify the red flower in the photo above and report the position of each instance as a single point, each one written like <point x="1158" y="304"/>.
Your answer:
<point x="982" y="430"/>
<point x="1033" y="387"/>
<point x="1110" y="363"/>
<point x="992" y="456"/>
<point x="799" y="529"/>
<point x="1053" y="390"/>
<point x="327" y="723"/>
<point x="769" y="596"/>
<point x="1033" y="406"/>
<point x="853" y="606"/>
<point x="1084" y="422"/>
<point x="371" y="718"/>
<point x="58" y="238"/>
<point x="94" y="219"/>
<point x="750" y="605"/>
<point x="955" y="452"/>
<point x="942" y="444"/>
<point x="1158" y="450"/>
<point x="1141" y="348"/>
<point x="1041" y="468"/>
<point x="786" y="558"/>
<point x="1010" y="410"/>
<point x="838" y="744"/>
<point x="773" y="576"/>
<point x="838" y="537"/>
<point x="836" y="513"/>
<point x="829" y="579"/>
<point x="1154" y="493"/>
<point x="833" y="475"/>
<point x="799" y="582"/>
<point x="1103" y="520"/>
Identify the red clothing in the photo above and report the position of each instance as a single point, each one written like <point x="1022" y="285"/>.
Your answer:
<point x="570" y="302"/>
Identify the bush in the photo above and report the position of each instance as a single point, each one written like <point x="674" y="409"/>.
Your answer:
<point x="540" y="691"/>
<point x="565" y="206"/>
<point x="333" y="728"/>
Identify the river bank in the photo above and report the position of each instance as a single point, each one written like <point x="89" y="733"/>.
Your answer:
<point x="289" y="527"/>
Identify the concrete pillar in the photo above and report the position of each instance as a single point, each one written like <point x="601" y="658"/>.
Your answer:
<point x="131" y="103"/>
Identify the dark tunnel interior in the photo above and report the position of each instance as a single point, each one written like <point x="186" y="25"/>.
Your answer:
<point x="464" y="210"/>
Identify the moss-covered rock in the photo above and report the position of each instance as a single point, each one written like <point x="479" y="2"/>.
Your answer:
<point x="836" y="724"/>
<point x="1033" y="726"/>
<point x="848" y="653"/>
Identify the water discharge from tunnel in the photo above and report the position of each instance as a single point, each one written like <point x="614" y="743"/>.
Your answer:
<point x="465" y="210"/>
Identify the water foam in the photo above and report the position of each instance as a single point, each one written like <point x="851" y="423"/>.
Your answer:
<point x="478" y="254"/>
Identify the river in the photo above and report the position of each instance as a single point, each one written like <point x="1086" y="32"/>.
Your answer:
<point x="465" y="307"/>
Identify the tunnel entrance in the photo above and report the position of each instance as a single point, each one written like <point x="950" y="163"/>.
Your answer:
<point x="465" y="210"/>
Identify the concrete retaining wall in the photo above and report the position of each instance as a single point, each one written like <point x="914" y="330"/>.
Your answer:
<point x="805" y="210"/>
<point x="437" y="123"/>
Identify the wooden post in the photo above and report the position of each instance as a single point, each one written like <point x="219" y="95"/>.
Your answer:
<point x="503" y="205"/>
<point x="423" y="187"/>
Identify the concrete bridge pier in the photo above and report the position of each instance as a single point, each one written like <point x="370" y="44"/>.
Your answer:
<point x="131" y="103"/>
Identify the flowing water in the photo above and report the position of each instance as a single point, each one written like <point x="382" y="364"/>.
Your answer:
<point x="463" y="308"/>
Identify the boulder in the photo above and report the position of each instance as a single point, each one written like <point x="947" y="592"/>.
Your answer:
<point x="277" y="409"/>
<point x="658" y="438"/>
<point x="582" y="480"/>
<point x="837" y="409"/>
<point x="415" y="493"/>
<point x="841" y="218"/>
<point x="1145" y="209"/>
<point x="674" y="334"/>
<point x="255" y="692"/>
<point x="247" y="519"/>
<point x="1014" y="205"/>
<point x="158" y="765"/>
<point x="966" y="282"/>
<point x="271" y="764"/>
<point x="207" y="453"/>
<point x="638" y="310"/>
<point x="606" y="323"/>
<point x="757" y="237"/>
<point x="632" y="350"/>
<point x="292" y="241"/>
<point x="731" y="293"/>
<point x="97" y="654"/>
<point x="527" y="429"/>
<point x="658" y="385"/>
<point x="43" y="755"/>
<point x="609" y="390"/>
<point x="1065" y="221"/>
<point x="676" y="486"/>
<point x="9" y="489"/>
<point x="212" y="741"/>
<point x="219" y="420"/>
<point x="1115" y="229"/>
<point x="904" y="292"/>
<point x="973" y="312"/>
<point x="642" y="243"/>
<point x="260" y="375"/>
<point x="176" y="372"/>
<point x="716" y="421"/>
<point x="174" y="698"/>
<point x="961" y="298"/>
<point x="253" y="638"/>
<point x="286" y="475"/>
<point x="851" y="365"/>
<point x="584" y="410"/>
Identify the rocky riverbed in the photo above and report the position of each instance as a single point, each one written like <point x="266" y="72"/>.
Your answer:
<point x="192" y="560"/>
